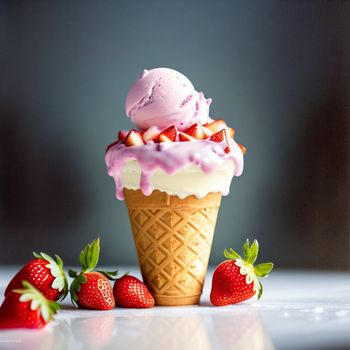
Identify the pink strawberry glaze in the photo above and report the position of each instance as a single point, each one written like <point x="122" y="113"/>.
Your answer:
<point x="169" y="157"/>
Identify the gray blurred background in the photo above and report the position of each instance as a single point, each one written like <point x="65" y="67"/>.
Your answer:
<point x="278" y="71"/>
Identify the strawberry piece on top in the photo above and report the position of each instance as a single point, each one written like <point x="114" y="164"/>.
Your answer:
<point x="168" y="135"/>
<point x="151" y="133"/>
<point x="184" y="137"/>
<point x="133" y="138"/>
<point x="122" y="135"/>
<point x="221" y="136"/>
<point x="195" y="130"/>
<point x="216" y="125"/>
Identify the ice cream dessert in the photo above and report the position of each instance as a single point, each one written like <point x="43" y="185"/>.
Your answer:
<point x="172" y="170"/>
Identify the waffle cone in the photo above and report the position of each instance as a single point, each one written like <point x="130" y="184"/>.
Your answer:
<point x="173" y="239"/>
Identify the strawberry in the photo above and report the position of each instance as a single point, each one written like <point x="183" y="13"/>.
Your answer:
<point x="94" y="291"/>
<point x="151" y="133"/>
<point x="133" y="138"/>
<point x="122" y="134"/>
<point x="220" y="137"/>
<point x="91" y="289"/>
<point x="26" y="308"/>
<point x="218" y="125"/>
<point x="207" y="132"/>
<point x="45" y="274"/>
<point x="184" y="137"/>
<point x="168" y="135"/>
<point x="236" y="280"/>
<point x="121" y="137"/>
<point x="129" y="291"/>
<point x="195" y="130"/>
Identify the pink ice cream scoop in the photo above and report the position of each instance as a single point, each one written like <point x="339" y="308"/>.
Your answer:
<point x="165" y="97"/>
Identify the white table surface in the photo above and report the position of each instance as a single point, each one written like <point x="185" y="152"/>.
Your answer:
<point x="298" y="310"/>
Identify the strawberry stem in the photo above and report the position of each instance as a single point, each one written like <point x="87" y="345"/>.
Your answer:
<point x="111" y="275"/>
<point x="232" y="254"/>
<point x="89" y="255"/>
<point x="72" y="273"/>
<point x="253" y="251"/>
<point x="88" y="259"/>
<point x="262" y="270"/>
<point x="246" y="249"/>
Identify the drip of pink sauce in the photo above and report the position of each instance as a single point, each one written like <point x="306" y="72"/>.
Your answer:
<point x="169" y="157"/>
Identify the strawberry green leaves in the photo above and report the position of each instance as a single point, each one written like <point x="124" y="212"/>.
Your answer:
<point x="75" y="285"/>
<point x="111" y="275"/>
<point x="89" y="255"/>
<point x="251" y="252"/>
<point x="231" y="254"/>
<point x="37" y="301"/>
<point x="246" y="264"/>
<point x="260" y="290"/>
<point x="88" y="260"/>
<point x="246" y="248"/>
<point x="262" y="270"/>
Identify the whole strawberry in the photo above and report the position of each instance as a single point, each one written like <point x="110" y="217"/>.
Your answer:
<point x="237" y="280"/>
<point x="26" y="308"/>
<point x="45" y="274"/>
<point x="92" y="289"/>
<point x="129" y="291"/>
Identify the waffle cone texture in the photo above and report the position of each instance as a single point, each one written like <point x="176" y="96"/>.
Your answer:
<point x="173" y="239"/>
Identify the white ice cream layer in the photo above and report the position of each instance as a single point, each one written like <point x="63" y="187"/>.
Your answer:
<point x="190" y="180"/>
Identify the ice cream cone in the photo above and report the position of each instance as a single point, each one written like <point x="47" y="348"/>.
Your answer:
<point x="173" y="239"/>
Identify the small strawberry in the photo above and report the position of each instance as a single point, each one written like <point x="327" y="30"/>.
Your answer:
<point x="168" y="135"/>
<point x="207" y="132"/>
<point x="236" y="280"/>
<point x="122" y="134"/>
<point x="26" y="308"/>
<point x="218" y="125"/>
<point x="45" y="274"/>
<point x="129" y="291"/>
<point x="91" y="289"/>
<point x="151" y="133"/>
<point x="195" y="130"/>
<point x="221" y="136"/>
<point x="133" y="138"/>
<point x="184" y="137"/>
